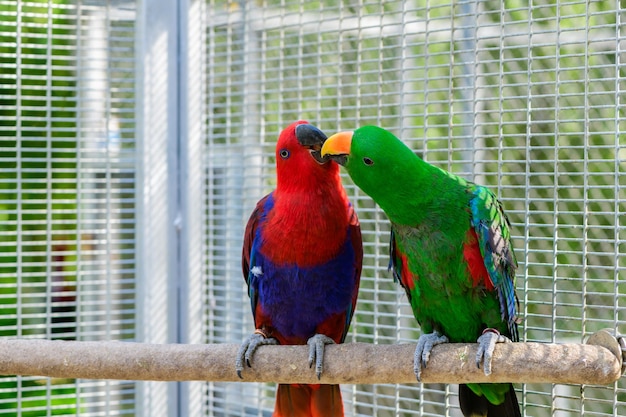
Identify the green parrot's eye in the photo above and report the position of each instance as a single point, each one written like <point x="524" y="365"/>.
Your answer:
<point x="368" y="161"/>
<point x="284" y="153"/>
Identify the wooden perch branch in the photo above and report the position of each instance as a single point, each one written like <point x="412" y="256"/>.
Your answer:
<point x="349" y="363"/>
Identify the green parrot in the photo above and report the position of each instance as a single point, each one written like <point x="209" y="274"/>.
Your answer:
<point x="450" y="250"/>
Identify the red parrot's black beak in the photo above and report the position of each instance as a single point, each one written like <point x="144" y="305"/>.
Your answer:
<point x="312" y="138"/>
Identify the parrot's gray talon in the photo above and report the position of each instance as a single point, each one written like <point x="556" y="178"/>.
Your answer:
<point x="425" y="344"/>
<point x="247" y="349"/>
<point x="316" y="351"/>
<point x="486" y="346"/>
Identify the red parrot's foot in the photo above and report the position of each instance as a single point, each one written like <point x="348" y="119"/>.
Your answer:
<point x="425" y="344"/>
<point x="486" y="345"/>
<point x="249" y="346"/>
<point x="316" y="351"/>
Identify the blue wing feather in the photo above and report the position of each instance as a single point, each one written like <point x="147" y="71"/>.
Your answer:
<point x="250" y="245"/>
<point x="493" y="230"/>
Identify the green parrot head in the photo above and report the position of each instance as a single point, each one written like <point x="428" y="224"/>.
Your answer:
<point x="382" y="166"/>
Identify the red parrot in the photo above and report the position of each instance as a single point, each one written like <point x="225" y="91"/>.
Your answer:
<point x="302" y="258"/>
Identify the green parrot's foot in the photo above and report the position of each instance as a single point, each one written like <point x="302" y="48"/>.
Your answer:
<point x="249" y="346"/>
<point x="486" y="345"/>
<point x="425" y="344"/>
<point x="316" y="345"/>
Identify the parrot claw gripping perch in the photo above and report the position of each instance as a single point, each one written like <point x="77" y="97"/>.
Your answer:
<point x="486" y="345"/>
<point x="425" y="344"/>
<point x="249" y="346"/>
<point x="316" y="345"/>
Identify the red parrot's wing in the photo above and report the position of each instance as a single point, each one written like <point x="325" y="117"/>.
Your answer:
<point x="354" y="232"/>
<point x="247" y="255"/>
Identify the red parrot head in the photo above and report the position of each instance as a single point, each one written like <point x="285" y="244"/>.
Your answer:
<point x="299" y="163"/>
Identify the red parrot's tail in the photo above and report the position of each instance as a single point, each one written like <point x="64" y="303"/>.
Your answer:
<point x="308" y="401"/>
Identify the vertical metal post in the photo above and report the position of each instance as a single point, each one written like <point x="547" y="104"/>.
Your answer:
<point x="93" y="88"/>
<point x="191" y="136"/>
<point x="158" y="215"/>
<point x="99" y="152"/>
<point x="170" y="185"/>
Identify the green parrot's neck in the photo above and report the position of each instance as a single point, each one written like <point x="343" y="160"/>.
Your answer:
<point x="407" y="193"/>
<point x="407" y="188"/>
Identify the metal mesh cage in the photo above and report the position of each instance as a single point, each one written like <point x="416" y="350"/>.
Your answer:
<point x="524" y="98"/>
<point x="67" y="194"/>
<point x="136" y="138"/>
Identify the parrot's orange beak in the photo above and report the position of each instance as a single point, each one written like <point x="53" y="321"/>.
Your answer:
<point x="338" y="144"/>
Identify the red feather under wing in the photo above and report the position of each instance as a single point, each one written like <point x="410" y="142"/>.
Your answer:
<point x="475" y="262"/>
<point x="407" y="278"/>
<point x="400" y="265"/>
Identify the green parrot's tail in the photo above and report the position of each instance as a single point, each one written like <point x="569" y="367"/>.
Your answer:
<point x="475" y="403"/>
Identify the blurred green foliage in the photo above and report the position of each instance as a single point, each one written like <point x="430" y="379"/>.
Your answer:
<point x="38" y="121"/>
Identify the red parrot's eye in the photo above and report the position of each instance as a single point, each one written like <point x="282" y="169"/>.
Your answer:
<point x="284" y="153"/>
<point x="368" y="161"/>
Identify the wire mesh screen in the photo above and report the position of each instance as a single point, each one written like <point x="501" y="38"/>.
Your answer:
<point x="525" y="98"/>
<point x="67" y="193"/>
